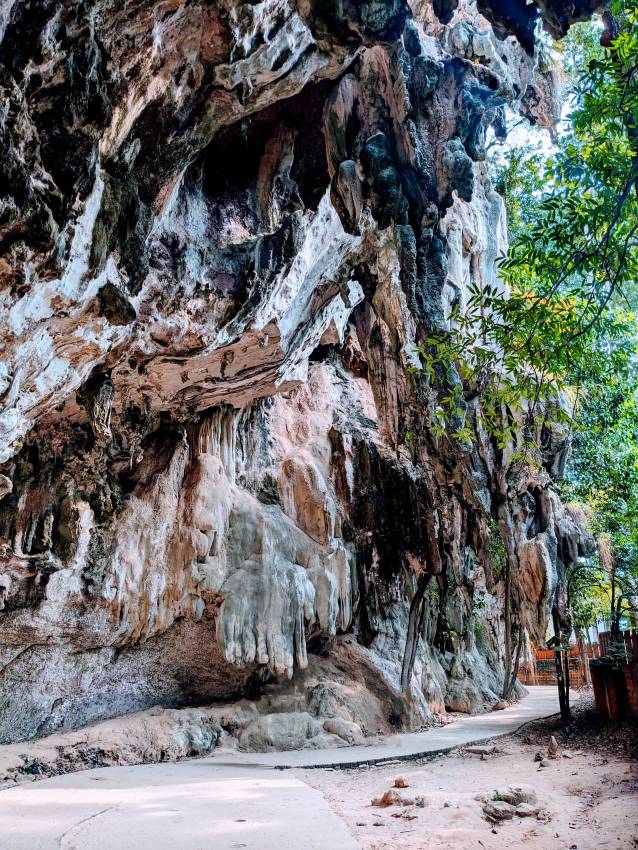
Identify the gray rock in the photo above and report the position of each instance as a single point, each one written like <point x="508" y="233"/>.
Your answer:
<point x="346" y="730"/>
<point x="515" y="794"/>
<point x="498" y="810"/>
<point x="526" y="810"/>
<point x="280" y="732"/>
<point x="223" y="252"/>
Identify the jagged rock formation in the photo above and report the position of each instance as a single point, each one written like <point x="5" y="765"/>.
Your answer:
<point x="225" y="227"/>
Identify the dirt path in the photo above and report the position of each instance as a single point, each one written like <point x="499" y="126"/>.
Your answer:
<point x="588" y="802"/>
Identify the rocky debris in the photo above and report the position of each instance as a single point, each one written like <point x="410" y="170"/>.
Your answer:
<point x="406" y="814"/>
<point x="401" y="782"/>
<point x="487" y="750"/>
<point x="516" y="794"/>
<point x="497" y="810"/>
<point x="345" y="729"/>
<point x="228" y="230"/>
<point x="526" y="810"/>
<point x="510" y="801"/>
<point x="393" y="798"/>
<point x="552" y="753"/>
<point x="599" y="800"/>
<point x="291" y="731"/>
<point x="160" y="734"/>
<point x="390" y="798"/>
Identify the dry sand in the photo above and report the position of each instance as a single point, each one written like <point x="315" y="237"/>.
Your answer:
<point x="588" y="802"/>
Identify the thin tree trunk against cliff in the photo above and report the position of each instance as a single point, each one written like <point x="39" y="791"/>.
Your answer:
<point x="507" y="615"/>
<point x="415" y="622"/>
<point x="563" y="696"/>
<point x="517" y="660"/>
<point x="507" y="536"/>
<point x="511" y="681"/>
<point x="561" y="685"/>
<point x="583" y="656"/>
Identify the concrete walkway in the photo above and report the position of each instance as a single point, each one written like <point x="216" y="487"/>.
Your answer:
<point x="224" y="802"/>
<point x="541" y="702"/>
<point x="189" y="805"/>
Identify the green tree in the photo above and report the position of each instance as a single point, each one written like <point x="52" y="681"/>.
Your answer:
<point x="556" y="343"/>
<point x="572" y="267"/>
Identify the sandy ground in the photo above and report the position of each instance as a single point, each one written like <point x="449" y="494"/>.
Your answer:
<point x="587" y="796"/>
<point x="588" y="802"/>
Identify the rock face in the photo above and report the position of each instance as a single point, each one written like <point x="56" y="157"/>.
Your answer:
<point x="227" y="227"/>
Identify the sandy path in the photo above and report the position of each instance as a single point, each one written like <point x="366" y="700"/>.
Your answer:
<point x="588" y="802"/>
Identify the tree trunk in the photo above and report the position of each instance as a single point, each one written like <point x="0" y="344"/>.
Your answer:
<point x="511" y="561"/>
<point x="507" y="615"/>
<point x="511" y="678"/>
<point x="614" y="626"/>
<point x="415" y="623"/>
<point x="583" y="656"/>
<point x="563" y="696"/>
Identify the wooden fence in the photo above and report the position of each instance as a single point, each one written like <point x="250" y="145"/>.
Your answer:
<point x="630" y="640"/>
<point x="541" y="669"/>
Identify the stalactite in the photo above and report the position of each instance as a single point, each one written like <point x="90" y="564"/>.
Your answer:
<point x="228" y="232"/>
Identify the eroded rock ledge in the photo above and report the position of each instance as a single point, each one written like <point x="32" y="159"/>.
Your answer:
<point x="227" y="227"/>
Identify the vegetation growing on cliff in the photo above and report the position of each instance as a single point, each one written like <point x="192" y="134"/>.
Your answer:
<point x="570" y="275"/>
<point x="553" y="344"/>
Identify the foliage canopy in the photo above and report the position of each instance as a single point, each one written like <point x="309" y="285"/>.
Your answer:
<point x="554" y="340"/>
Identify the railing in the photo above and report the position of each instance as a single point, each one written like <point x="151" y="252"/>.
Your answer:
<point x="630" y="640"/>
<point x="543" y="671"/>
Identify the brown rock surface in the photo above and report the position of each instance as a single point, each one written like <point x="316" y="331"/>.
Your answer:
<point x="228" y="227"/>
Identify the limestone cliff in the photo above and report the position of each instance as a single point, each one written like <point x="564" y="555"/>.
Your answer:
<point x="224" y="228"/>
